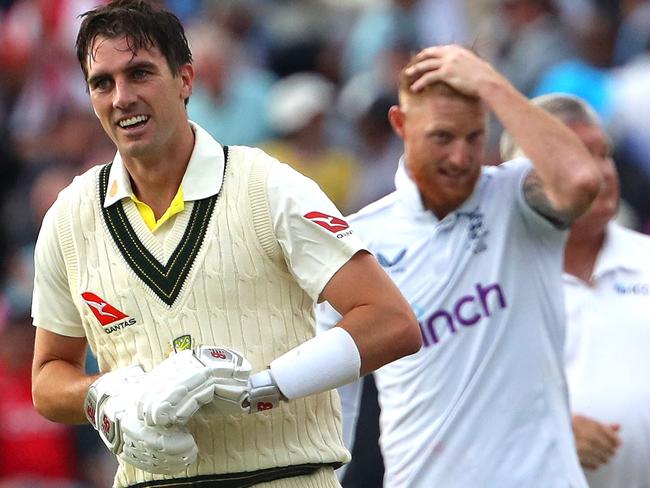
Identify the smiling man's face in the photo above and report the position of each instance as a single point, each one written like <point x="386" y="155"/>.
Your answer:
<point x="444" y="147"/>
<point x="138" y="100"/>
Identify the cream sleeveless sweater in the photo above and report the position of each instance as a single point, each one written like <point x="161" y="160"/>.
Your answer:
<point x="226" y="284"/>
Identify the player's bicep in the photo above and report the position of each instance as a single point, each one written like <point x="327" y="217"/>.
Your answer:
<point x="50" y="346"/>
<point x="359" y="282"/>
<point x="538" y="200"/>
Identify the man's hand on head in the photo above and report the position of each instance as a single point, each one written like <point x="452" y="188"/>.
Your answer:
<point x="453" y="65"/>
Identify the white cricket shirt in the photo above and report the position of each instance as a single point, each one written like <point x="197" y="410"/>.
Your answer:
<point x="484" y="402"/>
<point x="608" y="353"/>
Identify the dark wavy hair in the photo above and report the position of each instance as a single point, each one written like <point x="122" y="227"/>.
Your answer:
<point x="143" y="23"/>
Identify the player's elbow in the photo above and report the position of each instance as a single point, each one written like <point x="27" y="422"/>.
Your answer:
<point x="50" y="401"/>
<point x="587" y="184"/>
<point x="40" y="401"/>
<point x="406" y="338"/>
<point x="580" y="189"/>
<point x="412" y="336"/>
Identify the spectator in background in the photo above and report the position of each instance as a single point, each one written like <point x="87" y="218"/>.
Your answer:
<point x="358" y="93"/>
<point x="244" y="20"/>
<point x="533" y="39"/>
<point x="414" y="22"/>
<point x="42" y="62"/>
<point x="607" y="292"/>
<point x="630" y="125"/>
<point x="39" y="196"/>
<point x="299" y="113"/>
<point x="34" y="452"/>
<point x="586" y="72"/>
<point x="230" y="96"/>
<point x="633" y="36"/>
<point x="377" y="146"/>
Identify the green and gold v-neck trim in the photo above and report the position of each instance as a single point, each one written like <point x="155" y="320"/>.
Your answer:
<point x="165" y="280"/>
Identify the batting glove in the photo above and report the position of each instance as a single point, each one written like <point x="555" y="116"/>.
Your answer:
<point x="111" y="408"/>
<point x="189" y="379"/>
<point x="262" y="393"/>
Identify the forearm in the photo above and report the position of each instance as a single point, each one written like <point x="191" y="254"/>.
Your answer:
<point x="373" y="312"/>
<point x="58" y="391"/>
<point x="366" y="338"/>
<point x="568" y="173"/>
<point x="382" y="334"/>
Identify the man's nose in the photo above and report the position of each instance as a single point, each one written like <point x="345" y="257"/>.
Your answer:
<point x="123" y="95"/>
<point x="459" y="154"/>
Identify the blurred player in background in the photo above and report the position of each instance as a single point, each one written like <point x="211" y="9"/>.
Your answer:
<point x="477" y="251"/>
<point x="185" y="265"/>
<point x="607" y="293"/>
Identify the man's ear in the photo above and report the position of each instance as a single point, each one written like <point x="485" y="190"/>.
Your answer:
<point x="396" y="116"/>
<point x="187" y="78"/>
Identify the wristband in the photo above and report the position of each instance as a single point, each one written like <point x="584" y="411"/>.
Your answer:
<point x="325" y="362"/>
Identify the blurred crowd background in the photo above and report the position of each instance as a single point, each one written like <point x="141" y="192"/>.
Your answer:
<point x="310" y="81"/>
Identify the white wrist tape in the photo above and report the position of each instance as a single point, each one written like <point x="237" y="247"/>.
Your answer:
<point x="325" y="362"/>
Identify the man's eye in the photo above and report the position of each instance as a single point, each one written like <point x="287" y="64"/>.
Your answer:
<point x="441" y="137"/>
<point x="475" y="137"/>
<point x="101" y="85"/>
<point x="140" y="74"/>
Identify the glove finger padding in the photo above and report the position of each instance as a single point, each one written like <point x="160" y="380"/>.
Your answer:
<point x="109" y="398"/>
<point x="159" y="450"/>
<point x="230" y="399"/>
<point x="185" y="381"/>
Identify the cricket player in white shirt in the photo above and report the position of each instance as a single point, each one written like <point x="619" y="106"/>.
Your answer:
<point x="607" y="293"/>
<point x="477" y="251"/>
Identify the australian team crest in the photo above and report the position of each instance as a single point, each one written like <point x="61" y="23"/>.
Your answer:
<point x="182" y="343"/>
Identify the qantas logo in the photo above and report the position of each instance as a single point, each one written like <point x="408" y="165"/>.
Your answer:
<point x="334" y="224"/>
<point x="105" y="313"/>
<point x="110" y="317"/>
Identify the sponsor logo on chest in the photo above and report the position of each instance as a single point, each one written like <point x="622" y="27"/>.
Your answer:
<point x="467" y="311"/>
<point x="110" y="318"/>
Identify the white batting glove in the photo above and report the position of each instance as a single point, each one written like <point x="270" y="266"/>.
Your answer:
<point x="189" y="379"/>
<point x="111" y="408"/>
<point x="262" y="393"/>
<point x="159" y="450"/>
